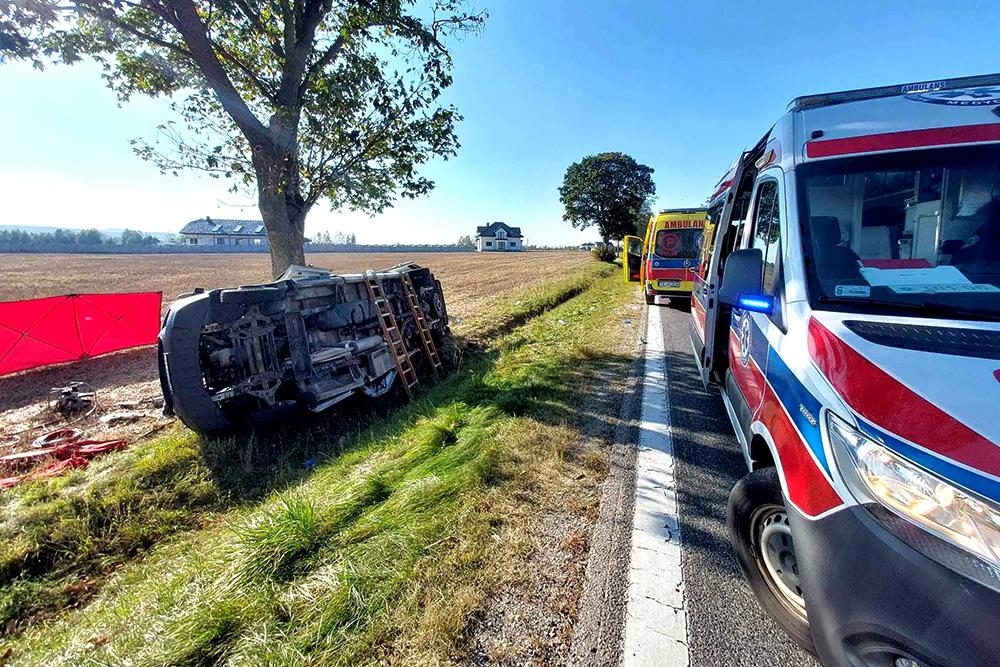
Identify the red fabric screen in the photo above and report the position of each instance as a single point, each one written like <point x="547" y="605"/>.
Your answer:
<point x="40" y="332"/>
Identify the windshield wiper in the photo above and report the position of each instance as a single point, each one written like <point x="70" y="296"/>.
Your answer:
<point x="924" y="307"/>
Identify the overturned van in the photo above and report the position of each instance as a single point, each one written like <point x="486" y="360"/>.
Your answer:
<point x="249" y="356"/>
<point x="847" y="304"/>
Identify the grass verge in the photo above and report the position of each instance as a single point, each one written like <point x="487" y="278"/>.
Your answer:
<point x="375" y="555"/>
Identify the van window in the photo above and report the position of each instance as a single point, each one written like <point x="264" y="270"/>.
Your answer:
<point x="708" y="239"/>
<point x="766" y="234"/>
<point x="913" y="233"/>
<point x="677" y="243"/>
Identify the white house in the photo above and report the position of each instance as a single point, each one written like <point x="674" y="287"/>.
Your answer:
<point x="498" y="237"/>
<point x="209" y="231"/>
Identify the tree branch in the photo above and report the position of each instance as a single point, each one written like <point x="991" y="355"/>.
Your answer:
<point x="183" y="15"/>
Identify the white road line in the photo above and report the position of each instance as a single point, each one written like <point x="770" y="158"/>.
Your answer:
<point x="655" y="622"/>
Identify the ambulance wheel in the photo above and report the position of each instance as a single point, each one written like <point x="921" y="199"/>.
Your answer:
<point x="759" y="531"/>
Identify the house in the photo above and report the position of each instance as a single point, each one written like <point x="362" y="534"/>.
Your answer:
<point x="498" y="237"/>
<point x="210" y="231"/>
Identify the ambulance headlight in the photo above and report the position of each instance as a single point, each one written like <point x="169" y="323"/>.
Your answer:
<point x="875" y="474"/>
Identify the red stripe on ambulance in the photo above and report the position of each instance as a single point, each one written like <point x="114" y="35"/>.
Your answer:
<point x="890" y="141"/>
<point x="888" y="403"/>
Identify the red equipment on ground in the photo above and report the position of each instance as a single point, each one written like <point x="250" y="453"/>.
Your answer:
<point x="53" y="330"/>
<point x="64" y="456"/>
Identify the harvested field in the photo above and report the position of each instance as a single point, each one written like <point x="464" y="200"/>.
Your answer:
<point x="470" y="279"/>
<point x="473" y="283"/>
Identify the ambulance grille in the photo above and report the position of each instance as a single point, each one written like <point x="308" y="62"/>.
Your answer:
<point x="943" y="340"/>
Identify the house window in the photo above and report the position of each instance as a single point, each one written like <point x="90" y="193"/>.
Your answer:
<point x="489" y="244"/>
<point x="193" y="241"/>
<point x="501" y="234"/>
<point x="220" y="241"/>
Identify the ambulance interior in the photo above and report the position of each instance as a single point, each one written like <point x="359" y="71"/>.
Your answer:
<point x="905" y="228"/>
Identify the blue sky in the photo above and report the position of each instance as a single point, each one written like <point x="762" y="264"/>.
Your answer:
<point x="681" y="86"/>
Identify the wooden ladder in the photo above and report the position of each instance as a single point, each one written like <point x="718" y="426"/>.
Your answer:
<point x="391" y="333"/>
<point x="425" y="333"/>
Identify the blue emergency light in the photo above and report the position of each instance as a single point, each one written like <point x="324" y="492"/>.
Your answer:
<point x="757" y="303"/>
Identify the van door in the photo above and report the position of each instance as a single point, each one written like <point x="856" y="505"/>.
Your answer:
<point x="710" y="340"/>
<point x="699" y="290"/>
<point x="632" y="259"/>
<point x="749" y="332"/>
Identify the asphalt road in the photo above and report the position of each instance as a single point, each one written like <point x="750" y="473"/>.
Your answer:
<point x="726" y="625"/>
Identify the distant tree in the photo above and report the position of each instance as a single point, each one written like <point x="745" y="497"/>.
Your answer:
<point x="610" y="190"/>
<point x="89" y="237"/>
<point x="322" y="237"/>
<point x="130" y="237"/>
<point x="352" y="239"/>
<point x="306" y="99"/>
<point x="466" y="241"/>
<point x="149" y="239"/>
<point x="339" y="238"/>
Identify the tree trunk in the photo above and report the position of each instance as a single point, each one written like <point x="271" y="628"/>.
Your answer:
<point x="285" y="236"/>
<point x="279" y="196"/>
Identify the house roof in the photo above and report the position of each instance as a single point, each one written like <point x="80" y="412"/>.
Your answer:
<point x="208" y="225"/>
<point x="491" y="230"/>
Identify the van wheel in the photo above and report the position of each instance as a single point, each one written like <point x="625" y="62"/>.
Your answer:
<point x="650" y="299"/>
<point x="758" y="528"/>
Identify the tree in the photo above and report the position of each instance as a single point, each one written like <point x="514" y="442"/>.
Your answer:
<point x="610" y="190"/>
<point x="130" y="237"/>
<point x="466" y="241"/>
<point x="89" y="237"/>
<point x="306" y="99"/>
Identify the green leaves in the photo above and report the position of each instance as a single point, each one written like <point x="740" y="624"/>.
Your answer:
<point x="364" y="76"/>
<point x="610" y="190"/>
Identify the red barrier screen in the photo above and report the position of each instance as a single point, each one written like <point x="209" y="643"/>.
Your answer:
<point x="41" y="332"/>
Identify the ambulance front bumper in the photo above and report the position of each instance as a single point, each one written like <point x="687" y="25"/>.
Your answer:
<point x="873" y="599"/>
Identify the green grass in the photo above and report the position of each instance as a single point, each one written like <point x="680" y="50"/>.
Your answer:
<point x="377" y="555"/>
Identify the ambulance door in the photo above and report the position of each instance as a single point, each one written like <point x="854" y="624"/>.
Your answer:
<point x="632" y="258"/>
<point x="699" y="290"/>
<point x="750" y="331"/>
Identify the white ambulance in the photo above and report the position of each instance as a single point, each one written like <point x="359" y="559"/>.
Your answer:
<point x="848" y="307"/>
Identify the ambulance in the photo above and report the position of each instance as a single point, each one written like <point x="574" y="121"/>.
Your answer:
<point x="671" y="248"/>
<point x="847" y="307"/>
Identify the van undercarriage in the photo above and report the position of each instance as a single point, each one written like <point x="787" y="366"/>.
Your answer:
<point x="244" y="357"/>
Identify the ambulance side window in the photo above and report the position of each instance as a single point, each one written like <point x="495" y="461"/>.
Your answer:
<point x="766" y="231"/>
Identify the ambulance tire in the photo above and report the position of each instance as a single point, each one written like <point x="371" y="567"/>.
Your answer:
<point x="758" y="494"/>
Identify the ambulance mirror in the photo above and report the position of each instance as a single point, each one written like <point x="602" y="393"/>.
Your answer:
<point x="741" y="276"/>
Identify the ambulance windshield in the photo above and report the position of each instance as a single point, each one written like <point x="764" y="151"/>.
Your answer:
<point x="905" y="233"/>
<point x="677" y="243"/>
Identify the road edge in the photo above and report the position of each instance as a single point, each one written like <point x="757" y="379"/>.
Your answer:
<point x="656" y="619"/>
<point x="599" y="630"/>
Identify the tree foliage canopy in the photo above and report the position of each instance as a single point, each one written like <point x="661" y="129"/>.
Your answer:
<point x="306" y="99"/>
<point x="610" y="190"/>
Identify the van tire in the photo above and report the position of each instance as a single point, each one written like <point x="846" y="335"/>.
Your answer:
<point x="756" y="500"/>
<point x="650" y="299"/>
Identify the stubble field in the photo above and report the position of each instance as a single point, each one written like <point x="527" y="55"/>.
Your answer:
<point x="470" y="280"/>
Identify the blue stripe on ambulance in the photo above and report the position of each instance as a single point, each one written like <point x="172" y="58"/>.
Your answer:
<point x="671" y="263"/>
<point x="787" y="387"/>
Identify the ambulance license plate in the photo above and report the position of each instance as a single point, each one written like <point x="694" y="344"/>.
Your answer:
<point x="669" y="283"/>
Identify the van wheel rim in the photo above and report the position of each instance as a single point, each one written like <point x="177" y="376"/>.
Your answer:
<point x="776" y="553"/>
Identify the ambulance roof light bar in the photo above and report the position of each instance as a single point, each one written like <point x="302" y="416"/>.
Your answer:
<point x="826" y="99"/>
